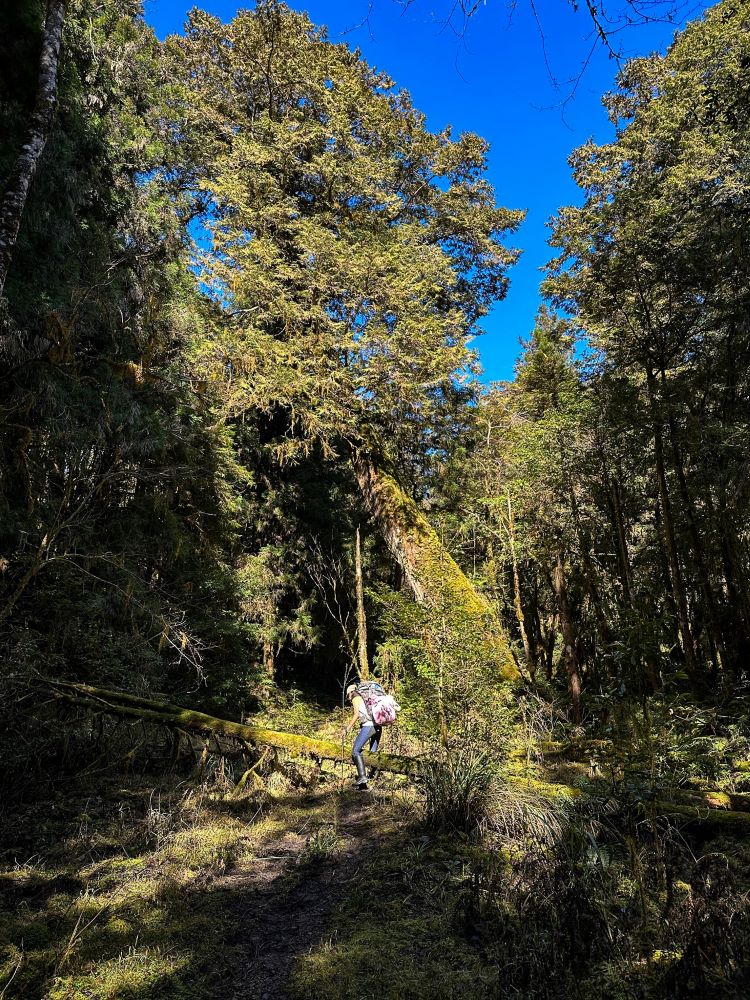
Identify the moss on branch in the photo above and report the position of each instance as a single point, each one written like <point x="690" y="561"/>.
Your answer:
<point x="164" y="713"/>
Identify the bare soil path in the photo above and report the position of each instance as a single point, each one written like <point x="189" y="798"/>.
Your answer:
<point x="281" y="901"/>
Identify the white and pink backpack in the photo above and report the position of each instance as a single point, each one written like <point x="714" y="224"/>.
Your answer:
<point x="381" y="707"/>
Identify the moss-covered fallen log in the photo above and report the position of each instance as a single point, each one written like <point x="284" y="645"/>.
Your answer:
<point x="717" y="819"/>
<point x="722" y="810"/>
<point x="163" y="713"/>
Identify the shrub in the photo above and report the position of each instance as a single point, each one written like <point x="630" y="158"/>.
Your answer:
<point x="457" y="790"/>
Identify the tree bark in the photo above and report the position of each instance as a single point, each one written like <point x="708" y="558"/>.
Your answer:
<point x="568" y="634"/>
<point x="622" y="542"/>
<point x="549" y="645"/>
<point x="364" y="665"/>
<point x="468" y="622"/>
<point x="17" y="189"/>
<point x="269" y="660"/>
<point x="586" y="547"/>
<point x="735" y="589"/>
<point x="529" y="652"/>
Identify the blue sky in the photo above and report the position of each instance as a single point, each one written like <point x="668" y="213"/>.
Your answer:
<point x="497" y="80"/>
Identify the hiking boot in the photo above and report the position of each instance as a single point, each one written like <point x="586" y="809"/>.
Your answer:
<point x="361" y="785"/>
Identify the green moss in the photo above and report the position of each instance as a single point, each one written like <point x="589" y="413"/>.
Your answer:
<point x="205" y="846"/>
<point x="395" y="934"/>
<point x="404" y="958"/>
<point x="464" y="625"/>
<point x="130" y="974"/>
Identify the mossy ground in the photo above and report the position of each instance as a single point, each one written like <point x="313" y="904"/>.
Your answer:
<point x="137" y="889"/>
<point x="436" y="918"/>
<point x="104" y="893"/>
<point x="130" y="890"/>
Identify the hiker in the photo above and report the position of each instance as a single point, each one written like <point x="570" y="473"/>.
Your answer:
<point x="368" y="732"/>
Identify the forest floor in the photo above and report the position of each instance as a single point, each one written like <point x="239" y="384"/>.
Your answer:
<point x="285" y="898"/>
<point x="167" y="885"/>
<point x="131" y="890"/>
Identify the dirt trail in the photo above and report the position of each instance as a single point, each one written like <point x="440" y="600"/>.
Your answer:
<point x="280" y="906"/>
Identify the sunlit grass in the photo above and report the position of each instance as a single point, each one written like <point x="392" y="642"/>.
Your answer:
<point x="104" y="910"/>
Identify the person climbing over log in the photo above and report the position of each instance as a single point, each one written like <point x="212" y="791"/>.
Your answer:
<point x="368" y="733"/>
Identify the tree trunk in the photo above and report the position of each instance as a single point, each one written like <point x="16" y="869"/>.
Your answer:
<point x="162" y="713"/>
<point x="568" y="634"/>
<point x="586" y="548"/>
<point x="364" y="666"/>
<point x="17" y="189"/>
<point x="527" y="648"/>
<point x="737" y="599"/>
<point x="622" y="543"/>
<point x="675" y="571"/>
<point x="269" y="660"/>
<point x="472" y="630"/>
<point x="716" y="639"/>
<point x="549" y="646"/>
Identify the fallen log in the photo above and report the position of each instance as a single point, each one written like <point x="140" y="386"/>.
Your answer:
<point x="715" y="809"/>
<point x="164" y="713"/>
<point x="718" y="819"/>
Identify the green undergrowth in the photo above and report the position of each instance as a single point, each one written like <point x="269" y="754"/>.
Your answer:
<point x="665" y="741"/>
<point x="540" y="900"/>
<point x="294" y="712"/>
<point x="120" y="891"/>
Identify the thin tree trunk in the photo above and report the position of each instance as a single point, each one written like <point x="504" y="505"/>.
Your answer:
<point x="737" y="599"/>
<point x="269" y="660"/>
<point x="17" y="189"/>
<point x="528" y="651"/>
<point x="364" y="666"/>
<point x="675" y="572"/>
<point x="568" y="634"/>
<point x="549" y="646"/>
<point x="585" y="545"/>
<point x="622" y="542"/>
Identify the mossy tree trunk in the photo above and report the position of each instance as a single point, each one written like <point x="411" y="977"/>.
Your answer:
<point x="162" y="713"/>
<point x="17" y="189"/>
<point x="364" y="665"/>
<point x="464" y="618"/>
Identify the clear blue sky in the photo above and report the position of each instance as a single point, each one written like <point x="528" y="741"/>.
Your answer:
<point x="495" y="80"/>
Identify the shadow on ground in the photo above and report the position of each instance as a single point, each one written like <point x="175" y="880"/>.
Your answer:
<point x="142" y="894"/>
